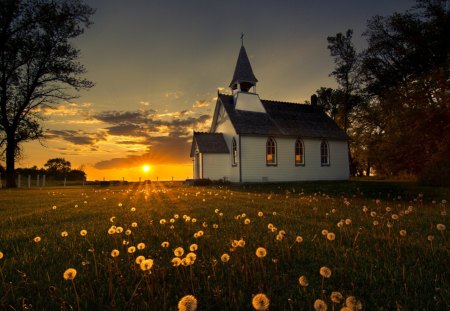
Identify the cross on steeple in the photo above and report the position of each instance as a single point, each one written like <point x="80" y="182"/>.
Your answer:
<point x="242" y="38"/>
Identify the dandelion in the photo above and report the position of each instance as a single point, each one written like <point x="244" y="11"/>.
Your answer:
<point x="193" y="247"/>
<point x="147" y="264"/>
<point x="340" y="224"/>
<point x="192" y="257"/>
<point x="348" y="221"/>
<point x="373" y="213"/>
<point x="178" y="252"/>
<point x="115" y="253"/>
<point x="133" y="209"/>
<point x="131" y="249"/>
<point x="320" y="305"/>
<point x="324" y="232"/>
<point x="388" y="209"/>
<point x="70" y="274"/>
<point x="1" y="255"/>
<point x="336" y="297"/>
<point x="430" y="238"/>
<point x="54" y="207"/>
<point x="187" y="303"/>
<point x="139" y="259"/>
<point x="298" y="239"/>
<point x="128" y="232"/>
<point x="235" y="243"/>
<point x="352" y="303"/>
<point x="119" y="230"/>
<point x="279" y="237"/>
<point x="303" y="281"/>
<point x="389" y="225"/>
<point x="64" y="234"/>
<point x="215" y="226"/>
<point x="83" y="232"/>
<point x="162" y="221"/>
<point x="331" y="236"/>
<point x="241" y="243"/>
<point x="134" y="224"/>
<point x="325" y="272"/>
<point x="225" y="257"/>
<point x="365" y="209"/>
<point x="394" y="216"/>
<point x="186" y="261"/>
<point x="440" y="227"/>
<point x="176" y="261"/>
<point x="165" y="244"/>
<point x="247" y="221"/>
<point x="37" y="239"/>
<point x="111" y="230"/>
<point x="269" y="226"/>
<point x="403" y="232"/>
<point x="194" y="220"/>
<point x="261" y="252"/>
<point x="260" y="302"/>
<point x="260" y="214"/>
<point x="200" y="233"/>
<point x="112" y="219"/>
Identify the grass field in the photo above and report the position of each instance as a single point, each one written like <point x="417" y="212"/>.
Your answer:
<point x="387" y="247"/>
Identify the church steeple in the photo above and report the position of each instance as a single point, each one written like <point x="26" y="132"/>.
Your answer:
<point x="243" y="78"/>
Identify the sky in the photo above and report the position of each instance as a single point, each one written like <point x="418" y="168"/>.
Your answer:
<point x="158" y="65"/>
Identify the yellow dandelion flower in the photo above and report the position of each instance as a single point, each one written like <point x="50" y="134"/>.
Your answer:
<point x="125" y="242"/>
<point x="187" y="303"/>
<point x="165" y="244"/>
<point x="185" y="261"/>
<point x="1" y="255"/>
<point x="179" y="251"/>
<point x="225" y="257"/>
<point x="274" y="229"/>
<point x="247" y="221"/>
<point x="131" y="249"/>
<point x="298" y="239"/>
<point x="234" y="243"/>
<point x="331" y="236"/>
<point x="83" y="232"/>
<point x="394" y="216"/>
<point x="336" y="297"/>
<point x="324" y="232"/>
<point x="340" y="224"/>
<point x="176" y="216"/>
<point x="134" y="224"/>
<point x="140" y="259"/>
<point x="403" y="232"/>
<point x="200" y="233"/>
<point x="191" y="256"/>
<point x="376" y="223"/>
<point x="353" y="303"/>
<point x="325" y="272"/>
<point x="303" y="281"/>
<point x="133" y="209"/>
<point x="64" y="234"/>
<point x="119" y="230"/>
<point x="176" y="261"/>
<point x="193" y="247"/>
<point x="373" y="213"/>
<point x="346" y="309"/>
<point x="282" y="232"/>
<point x="260" y="214"/>
<point x="172" y="220"/>
<point x="260" y="302"/>
<point x="119" y="205"/>
<point x="388" y="209"/>
<point x="241" y="243"/>
<point x="261" y="252"/>
<point x="195" y="235"/>
<point x="348" y="221"/>
<point x="70" y="274"/>
<point x="215" y="226"/>
<point x="162" y="221"/>
<point x="279" y="237"/>
<point x="115" y="253"/>
<point x="320" y="305"/>
<point x="270" y="226"/>
<point x="54" y="207"/>
<point x="111" y="230"/>
<point x="112" y="219"/>
<point x="440" y="227"/>
<point x="37" y="239"/>
<point x="205" y="224"/>
<point x="147" y="264"/>
<point x="430" y="238"/>
<point x="141" y="246"/>
<point x="274" y="213"/>
<point x="365" y="209"/>
<point x="128" y="232"/>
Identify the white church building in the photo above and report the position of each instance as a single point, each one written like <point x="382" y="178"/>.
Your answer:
<point x="257" y="140"/>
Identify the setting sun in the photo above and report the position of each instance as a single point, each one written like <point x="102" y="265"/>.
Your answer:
<point x="146" y="168"/>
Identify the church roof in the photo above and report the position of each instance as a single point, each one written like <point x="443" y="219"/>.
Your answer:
<point x="243" y="71"/>
<point x="209" y="143"/>
<point x="283" y="119"/>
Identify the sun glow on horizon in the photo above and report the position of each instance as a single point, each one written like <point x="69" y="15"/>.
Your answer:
<point x="146" y="168"/>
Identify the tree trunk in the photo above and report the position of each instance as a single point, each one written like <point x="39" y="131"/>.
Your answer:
<point x="10" y="161"/>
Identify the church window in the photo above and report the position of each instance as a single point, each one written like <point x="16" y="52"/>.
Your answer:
<point x="234" y="154"/>
<point x="324" y="153"/>
<point x="271" y="151"/>
<point x="299" y="152"/>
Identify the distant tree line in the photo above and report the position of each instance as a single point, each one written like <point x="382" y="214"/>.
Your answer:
<point x="393" y="98"/>
<point x="54" y="169"/>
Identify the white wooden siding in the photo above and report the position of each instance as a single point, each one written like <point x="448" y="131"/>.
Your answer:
<point x="226" y="128"/>
<point x="254" y="168"/>
<point x="213" y="166"/>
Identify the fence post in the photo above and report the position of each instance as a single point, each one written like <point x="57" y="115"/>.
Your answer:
<point x="43" y="180"/>
<point x="29" y="181"/>
<point x="65" y="179"/>
<point x="18" y="181"/>
<point x="37" y="181"/>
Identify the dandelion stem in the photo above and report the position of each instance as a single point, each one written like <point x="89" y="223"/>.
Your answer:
<point x="76" y="295"/>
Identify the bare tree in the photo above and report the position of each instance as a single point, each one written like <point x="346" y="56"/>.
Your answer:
<point x="38" y="66"/>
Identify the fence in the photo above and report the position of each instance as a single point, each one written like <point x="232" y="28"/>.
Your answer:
<point x="39" y="181"/>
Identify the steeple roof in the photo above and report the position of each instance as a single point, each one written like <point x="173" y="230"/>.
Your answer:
<point x="243" y="71"/>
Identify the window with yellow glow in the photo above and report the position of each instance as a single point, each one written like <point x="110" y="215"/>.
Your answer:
<point x="271" y="151"/>
<point x="299" y="152"/>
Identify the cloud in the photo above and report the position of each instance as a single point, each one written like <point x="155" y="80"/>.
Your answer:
<point x="78" y="137"/>
<point x="64" y="110"/>
<point x="117" y="117"/>
<point x="201" y="103"/>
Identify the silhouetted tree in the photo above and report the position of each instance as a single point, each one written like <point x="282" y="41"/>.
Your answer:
<point x="58" y="168"/>
<point x="38" y="66"/>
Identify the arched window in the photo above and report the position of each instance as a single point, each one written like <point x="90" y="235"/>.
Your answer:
<point x="234" y="155"/>
<point x="299" y="152"/>
<point x="271" y="151"/>
<point x="324" y="153"/>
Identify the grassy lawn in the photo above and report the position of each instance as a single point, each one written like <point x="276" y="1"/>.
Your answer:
<point x="387" y="246"/>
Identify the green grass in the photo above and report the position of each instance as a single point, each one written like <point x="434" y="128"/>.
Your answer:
<point x="374" y="263"/>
